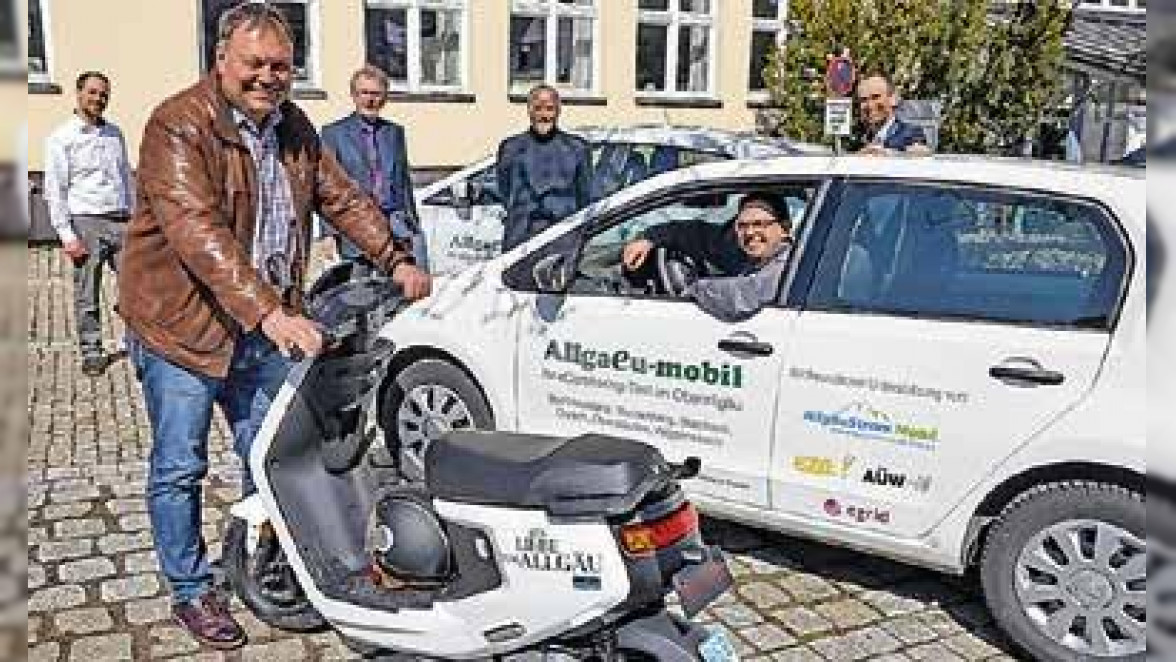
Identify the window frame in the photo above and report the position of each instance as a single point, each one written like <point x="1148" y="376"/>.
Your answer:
<point x="673" y="19"/>
<point x="551" y="11"/>
<point x="413" y="8"/>
<point x="809" y="271"/>
<point x="45" y="77"/>
<point x="1127" y="6"/>
<point x="517" y="275"/>
<point x="777" y="26"/>
<point x="313" y="78"/>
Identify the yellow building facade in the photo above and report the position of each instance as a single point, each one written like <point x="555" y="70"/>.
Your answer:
<point x="458" y="66"/>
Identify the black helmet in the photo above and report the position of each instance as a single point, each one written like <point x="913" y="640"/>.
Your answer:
<point x="410" y="542"/>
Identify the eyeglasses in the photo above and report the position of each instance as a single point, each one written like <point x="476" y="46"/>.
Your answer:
<point x="758" y="224"/>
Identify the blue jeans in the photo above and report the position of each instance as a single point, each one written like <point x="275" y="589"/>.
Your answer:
<point x="179" y="405"/>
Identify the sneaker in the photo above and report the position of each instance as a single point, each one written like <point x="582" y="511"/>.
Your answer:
<point x="94" y="366"/>
<point x="208" y="620"/>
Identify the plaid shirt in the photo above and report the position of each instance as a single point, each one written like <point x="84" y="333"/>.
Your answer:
<point x="272" y="234"/>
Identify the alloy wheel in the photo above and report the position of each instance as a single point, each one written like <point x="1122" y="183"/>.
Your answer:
<point x="428" y="412"/>
<point x="1083" y="583"/>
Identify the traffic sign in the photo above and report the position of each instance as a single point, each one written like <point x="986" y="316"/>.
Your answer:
<point x="839" y="116"/>
<point x="840" y="75"/>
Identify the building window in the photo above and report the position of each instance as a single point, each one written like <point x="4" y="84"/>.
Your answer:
<point x="302" y="15"/>
<point x="9" y="48"/>
<point x="1120" y="5"/>
<point x="38" y="41"/>
<point x="553" y="42"/>
<point x="675" y="47"/>
<point x="767" y="30"/>
<point x="418" y="43"/>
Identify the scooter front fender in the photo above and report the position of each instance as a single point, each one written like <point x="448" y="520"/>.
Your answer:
<point x="662" y="636"/>
<point x="252" y="511"/>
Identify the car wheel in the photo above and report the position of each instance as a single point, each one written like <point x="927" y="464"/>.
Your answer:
<point x="427" y="400"/>
<point x="1161" y="594"/>
<point x="1064" y="571"/>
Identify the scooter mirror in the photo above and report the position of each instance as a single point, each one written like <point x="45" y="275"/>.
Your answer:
<point x="688" y="469"/>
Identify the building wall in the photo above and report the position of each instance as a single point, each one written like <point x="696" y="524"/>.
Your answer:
<point x="151" y="48"/>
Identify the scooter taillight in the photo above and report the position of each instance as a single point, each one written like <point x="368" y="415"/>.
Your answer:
<point x="650" y="537"/>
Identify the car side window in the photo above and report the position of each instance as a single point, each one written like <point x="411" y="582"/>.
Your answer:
<point x="600" y="263"/>
<point x="482" y="187"/>
<point x="953" y="252"/>
<point x="617" y="165"/>
<point x="702" y="224"/>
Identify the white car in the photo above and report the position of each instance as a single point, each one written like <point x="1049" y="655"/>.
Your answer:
<point x="953" y="373"/>
<point x="462" y="214"/>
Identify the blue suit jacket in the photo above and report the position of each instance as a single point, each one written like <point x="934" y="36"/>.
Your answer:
<point x="345" y="139"/>
<point x="902" y="135"/>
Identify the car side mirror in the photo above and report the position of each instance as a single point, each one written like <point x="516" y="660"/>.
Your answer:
<point x="551" y="274"/>
<point x="459" y="191"/>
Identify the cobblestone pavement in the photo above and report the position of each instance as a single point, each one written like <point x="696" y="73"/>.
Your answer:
<point x="94" y="593"/>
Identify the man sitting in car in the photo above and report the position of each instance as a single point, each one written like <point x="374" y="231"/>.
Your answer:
<point x="750" y="255"/>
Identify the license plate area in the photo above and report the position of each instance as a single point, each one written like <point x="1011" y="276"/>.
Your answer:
<point x="698" y="584"/>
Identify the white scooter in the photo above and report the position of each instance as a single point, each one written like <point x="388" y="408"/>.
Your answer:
<point x="511" y="547"/>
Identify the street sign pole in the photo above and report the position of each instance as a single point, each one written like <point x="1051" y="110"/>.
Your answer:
<point x="840" y="77"/>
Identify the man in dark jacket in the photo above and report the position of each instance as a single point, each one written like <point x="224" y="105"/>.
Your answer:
<point x="374" y="152"/>
<point x="885" y="133"/>
<point x="750" y="255"/>
<point x="213" y="265"/>
<point x="544" y="174"/>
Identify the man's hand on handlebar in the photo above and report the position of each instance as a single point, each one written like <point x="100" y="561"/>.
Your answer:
<point x="413" y="281"/>
<point x="297" y="337"/>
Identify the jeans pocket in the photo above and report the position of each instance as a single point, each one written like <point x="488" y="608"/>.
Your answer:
<point x="135" y="355"/>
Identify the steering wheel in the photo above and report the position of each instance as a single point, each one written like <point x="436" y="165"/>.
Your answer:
<point x="675" y="270"/>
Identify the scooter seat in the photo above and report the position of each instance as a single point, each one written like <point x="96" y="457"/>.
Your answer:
<point x="592" y="475"/>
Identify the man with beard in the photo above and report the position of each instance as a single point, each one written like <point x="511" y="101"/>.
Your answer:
<point x="374" y="152"/>
<point x="543" y="174"/>
<point x="90" y="194"/>
<point x="213" y="268"/>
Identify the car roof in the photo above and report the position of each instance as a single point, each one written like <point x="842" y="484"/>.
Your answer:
<point x="1123" y="188"/>
<point x="735" y="144"/>
<point x="1020" y="172"/>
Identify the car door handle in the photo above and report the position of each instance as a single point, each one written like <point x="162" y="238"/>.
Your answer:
<point x="740" y="346"/>
<point x="1026" y="375"/>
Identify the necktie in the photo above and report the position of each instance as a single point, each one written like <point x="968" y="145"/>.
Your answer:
<point x="375" y="170"/>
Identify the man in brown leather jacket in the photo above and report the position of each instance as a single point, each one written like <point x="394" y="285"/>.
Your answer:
<point x="213" y="265"/>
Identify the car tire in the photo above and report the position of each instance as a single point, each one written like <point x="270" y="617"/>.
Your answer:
<point x="424" y="401"/>
<point x="295" y="614"/>
<point x="1064" y="572"/>
<point x="1161" y="612"/>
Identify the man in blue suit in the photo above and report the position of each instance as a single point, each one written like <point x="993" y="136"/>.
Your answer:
<point x="885" y="133"/>
<point x="374" y="153"/>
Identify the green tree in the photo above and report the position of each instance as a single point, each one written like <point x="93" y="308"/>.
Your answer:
<point x="996" y="67"/>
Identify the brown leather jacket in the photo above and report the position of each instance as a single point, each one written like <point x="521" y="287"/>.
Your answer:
<point x="187" y="288"/>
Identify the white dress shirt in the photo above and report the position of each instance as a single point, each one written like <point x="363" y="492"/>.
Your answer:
<point x="86" y="172"/>
<point x="883" y="132"/>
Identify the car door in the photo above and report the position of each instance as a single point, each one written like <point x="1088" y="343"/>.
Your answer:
<point x="611" y="356"/>
<point x="462" y="220"/>
<point x="944" y="326"/>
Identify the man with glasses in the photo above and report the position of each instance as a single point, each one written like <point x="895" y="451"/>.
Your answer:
<point x="374" y="152"/>
<point x="230" y="172"/>
<point x="750" y="255"/>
